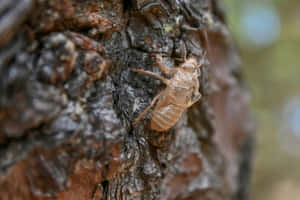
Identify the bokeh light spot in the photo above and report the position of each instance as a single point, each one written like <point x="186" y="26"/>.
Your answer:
<point x="261" y="24"/>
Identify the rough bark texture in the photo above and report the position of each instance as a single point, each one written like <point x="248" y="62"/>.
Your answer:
<point x="68" y="100"/>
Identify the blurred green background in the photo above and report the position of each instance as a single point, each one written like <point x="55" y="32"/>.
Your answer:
<point x="267" y="33"/>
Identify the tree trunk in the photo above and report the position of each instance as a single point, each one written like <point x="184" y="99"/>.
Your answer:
<point x="68" y="99"/>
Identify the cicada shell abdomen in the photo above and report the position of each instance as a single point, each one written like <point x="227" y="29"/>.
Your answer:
<point x="165" y="117"/>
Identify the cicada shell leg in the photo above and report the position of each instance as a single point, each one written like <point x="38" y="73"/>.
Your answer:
<point x="195" y="99"/>
<point x="141" y="71"/>
<point x="146" y="110"/>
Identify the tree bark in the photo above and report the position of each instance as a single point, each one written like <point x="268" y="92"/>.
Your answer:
<point x="68" y="99"/>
